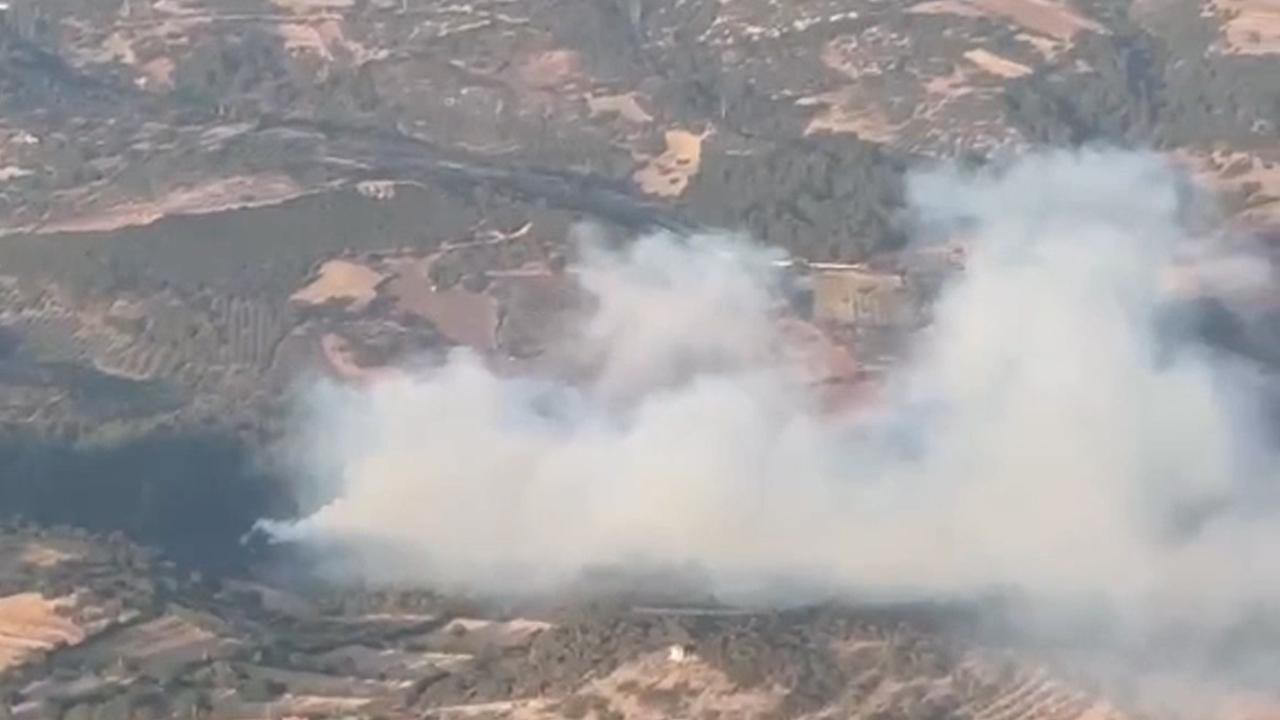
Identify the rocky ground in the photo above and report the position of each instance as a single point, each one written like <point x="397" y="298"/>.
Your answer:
<point x="202" y="201"/>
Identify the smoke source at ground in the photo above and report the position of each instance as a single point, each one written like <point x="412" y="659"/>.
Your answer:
<point x="1041" y="439"/>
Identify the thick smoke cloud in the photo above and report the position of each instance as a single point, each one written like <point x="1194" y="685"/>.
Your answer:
<point x="1043" y="437"/>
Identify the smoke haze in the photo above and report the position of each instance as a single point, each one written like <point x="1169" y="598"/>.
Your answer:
<point x="1043" y="437"/>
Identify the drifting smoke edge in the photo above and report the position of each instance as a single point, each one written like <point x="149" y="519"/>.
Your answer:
<point x="1040" y="438"/>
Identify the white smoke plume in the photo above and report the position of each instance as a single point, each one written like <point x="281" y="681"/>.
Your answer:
<point x="1041" y="438"/>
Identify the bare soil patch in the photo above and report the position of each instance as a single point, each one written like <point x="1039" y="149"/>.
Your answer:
<point x="341" y="280"/>
<point x="625" y="106"/>
<point x="932" y="105"/>
<point x="31" y="624"/>
<point x="311" y="6"/>
<point x="1248" y="183"/>
<point x="1249" y="27"/>
<point x="464" y="317"/>
<point x="668" y="174"/>
<point x="340" y="355"/>
<point x="1051" y="18"/>
<point x="843" y="112"/>
<point x="222" y="194"/>
<point x="996" y="64"/>
<point x="551" y="69"/>
<point x="44" y="556"/>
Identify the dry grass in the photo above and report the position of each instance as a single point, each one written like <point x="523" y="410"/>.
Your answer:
<point x="668" y="174"/>
<point x="651" y="687"/>
<point x="31" y="624"/>
<point x="695" y="689"/>
<point x="820" y="359"/>
<point x="303" y="7"/>
<point x="342" y="280"/>
<point x="340" y="356"/>
<point x="159" y="636"/>
<point x="1250" y="183"/>
<point x="843" y="112"/>
<point x="624" y="106"/>
<point x="323" y="35"/>
<point x="947" y="7"/>
<point x="158" y="73"/>
<point x="337" y="351"/>
<point x="320" y="38"/>
<point x="222" y="194"/>
<point x="311" y="26"/>
<point x="1249" y="27"/>
<point x="464" y="317"/>
<point x="996" y="64"/>
<point x="518" y="632"/>
<point x="942" y="108"/>
<point x="1050" y="18"/>
<point x="44" y="556"/>
<point x="525" y="709"/>
<point x="309" y="706"/>
<point x="550" y="70"/>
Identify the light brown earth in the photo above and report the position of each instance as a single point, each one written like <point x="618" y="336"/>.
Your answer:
<point x="405" y="653"/>
<point x="303" y="7"/>
<point x="843" y="113"/>
<point x="995" y="64"/>
<point x="208" y="196"/>
<point x="668" y="174"/>
<point x="821" y="359"/>
<point x="1248" y="182"/>
<point x="464" y="317"/>
<point x="162" y="636"/>
<point x="650" y="687"/>
<point x="626" y="106"/>
<point x="31" y="624"/>
<point x="341" y="280"/>
<point x="679" y="681"/>
<point x="1249" y="27"/>
<point x="44" y="556"/>
<point x="1050" y="18"/>
<point x="337" y="351"/>
<point x="938" y="107"/>
<point x="550" y="70"/>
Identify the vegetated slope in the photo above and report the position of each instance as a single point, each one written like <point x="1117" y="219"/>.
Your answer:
<point x="102" y="629"/>
<point x="170" y="173"/>
<point x="177" y="179"/>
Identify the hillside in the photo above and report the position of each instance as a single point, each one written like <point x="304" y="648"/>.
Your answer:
<point x="206" y="203"/>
